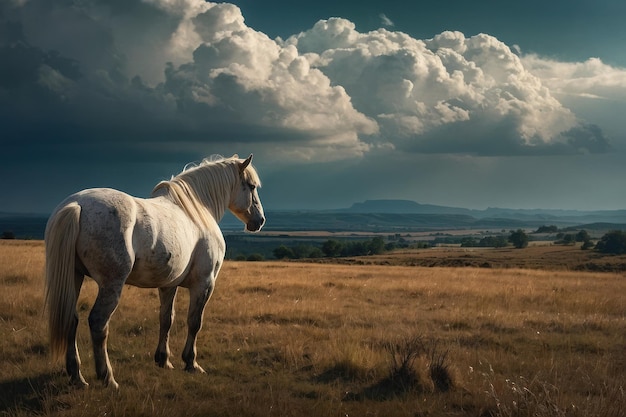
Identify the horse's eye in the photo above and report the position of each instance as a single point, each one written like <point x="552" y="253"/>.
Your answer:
<point x="252" y="186"/>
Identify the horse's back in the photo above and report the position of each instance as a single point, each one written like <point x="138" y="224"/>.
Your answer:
<point x="106" y="214"/>
<point x="151" y="242"/>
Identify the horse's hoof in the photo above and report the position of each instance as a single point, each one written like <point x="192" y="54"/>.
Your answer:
<point x="195" y="369"/>
<point x="112" y="384"/>
<point x="165" y="365"/>
<point x="162" y="360"/>
<point x="79" y="383"/>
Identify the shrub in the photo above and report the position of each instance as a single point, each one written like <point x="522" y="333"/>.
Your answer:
<point x="587" y="244"/>
<point x="8" y="235"/>
<point x="402" y="374"/>
<point x="582" y="236"/>
<point x="255" y="257"/>
<point x="439" y="371"/>
<point x="283" y="252"/>
<point x="613" y="242"/>
<point x="493" y="242"/>
<point x="332" y="248"/>
<point x="547" y="229"/>
<point x="519" y="239"/>
<point x="566" y="239"/>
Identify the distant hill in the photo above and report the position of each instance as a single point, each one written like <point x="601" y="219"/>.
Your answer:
<point x="567" y="216"/>
<point x="403" y="206"/>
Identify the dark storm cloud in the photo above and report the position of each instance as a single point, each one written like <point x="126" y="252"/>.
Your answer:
<point x="500" y="139"/>
<point x="198" y="77"/>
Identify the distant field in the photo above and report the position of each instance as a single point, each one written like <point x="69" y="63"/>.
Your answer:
<point x="539" y="255"/>
<point x="377" y="336"/>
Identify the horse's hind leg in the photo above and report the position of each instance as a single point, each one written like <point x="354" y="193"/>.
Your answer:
<point x="72" y="358"/>
<point x="106" y="303"/>
<point x="198" y="298"/>
<point x="166" y="316"/>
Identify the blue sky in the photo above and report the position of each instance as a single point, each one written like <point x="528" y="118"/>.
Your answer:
<point x="573" y="30"/>
<point x="467" y="104"/>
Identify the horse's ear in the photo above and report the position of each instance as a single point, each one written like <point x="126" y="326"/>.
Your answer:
<point x="235" y="156"/>
<point x="245" y="163"/>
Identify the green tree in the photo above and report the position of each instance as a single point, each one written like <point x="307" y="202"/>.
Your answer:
<point x="547" y="229"/>
<point x="377" y="245"/>
<point x="301" y="251"/>
<point x="614" y="242"/>
<point x="332" y="248"/>
<point x="493" y="242"/>
<point x="355" y="249"/>
<point x="468" y="242"/>
<point x="582" y="236"/>
<point x="316" y="253"/>
<point x="519" y="239"/>
<point x="255" y="257"/>
<point x="283" y="252"/>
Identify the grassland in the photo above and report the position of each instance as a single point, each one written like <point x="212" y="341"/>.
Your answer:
<point x="539" y="255"/>
<point x="379" y="338"/>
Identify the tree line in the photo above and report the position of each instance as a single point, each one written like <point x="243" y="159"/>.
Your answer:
<point x="613" y="242"/>
<point x="517" y="238"/>
<point x="333" y="248"/>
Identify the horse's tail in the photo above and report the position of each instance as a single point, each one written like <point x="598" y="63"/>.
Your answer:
<point x="61" y="235"/>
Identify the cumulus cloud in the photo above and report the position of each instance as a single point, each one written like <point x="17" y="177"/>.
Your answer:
<point x="445" y="94"/>
<point x="192" y="73"/>
<point x="591" y="78"/>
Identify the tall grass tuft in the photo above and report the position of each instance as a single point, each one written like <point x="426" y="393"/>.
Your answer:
<point x="439" y="369"/>
<point x="403" y="354"/>
<point x="403" y="376"/>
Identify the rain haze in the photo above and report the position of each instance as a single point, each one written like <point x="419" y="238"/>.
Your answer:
<point x="464" y="104"/>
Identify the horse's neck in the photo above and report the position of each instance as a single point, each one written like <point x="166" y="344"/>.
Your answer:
<point x="214" y="189"/>
<point x="198" y="206"/>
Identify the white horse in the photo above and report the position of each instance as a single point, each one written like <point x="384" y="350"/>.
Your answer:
<point x="169" y="240"/>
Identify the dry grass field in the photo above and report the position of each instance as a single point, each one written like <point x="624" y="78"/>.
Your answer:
<point x="539" y="255"/>
<point x="315" y="339"/>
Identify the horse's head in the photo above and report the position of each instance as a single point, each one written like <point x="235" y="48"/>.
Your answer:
<point x="245" y="202"/>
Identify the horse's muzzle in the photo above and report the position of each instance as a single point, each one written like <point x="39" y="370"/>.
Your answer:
<point x="255" y="225"/>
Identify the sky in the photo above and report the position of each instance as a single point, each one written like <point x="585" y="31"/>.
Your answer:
<point x="516" y="104"/>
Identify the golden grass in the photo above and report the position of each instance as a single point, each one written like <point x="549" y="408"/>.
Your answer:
<point x="295" y="339"/>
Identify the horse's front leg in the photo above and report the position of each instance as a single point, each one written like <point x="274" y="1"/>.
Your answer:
<point x="198" y="297"/>
<point x="166" y="316"/>
<point x="106" y="303"/>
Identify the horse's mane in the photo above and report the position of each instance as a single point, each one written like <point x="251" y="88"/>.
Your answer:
<point x="202" y="190"/>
